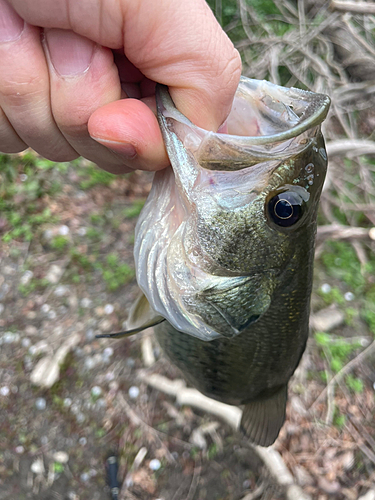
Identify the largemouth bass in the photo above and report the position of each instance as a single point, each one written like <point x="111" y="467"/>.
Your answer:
<point x="224" y="248"/>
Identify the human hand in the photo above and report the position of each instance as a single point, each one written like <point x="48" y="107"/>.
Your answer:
<point x="69" y="73"/>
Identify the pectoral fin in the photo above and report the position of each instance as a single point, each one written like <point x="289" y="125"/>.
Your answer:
<point x="141" y="316"/>
<point x="262" y="420"/>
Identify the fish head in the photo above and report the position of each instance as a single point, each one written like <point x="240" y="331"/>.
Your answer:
<point x="225" y="224"/>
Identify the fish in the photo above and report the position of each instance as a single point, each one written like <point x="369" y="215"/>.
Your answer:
<point x="224" y="248"/>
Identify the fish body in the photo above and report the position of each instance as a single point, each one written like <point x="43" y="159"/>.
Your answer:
<point x="224" y="247"/>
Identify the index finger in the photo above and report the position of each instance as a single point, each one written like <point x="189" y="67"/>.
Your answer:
<point x="176" y="43"/>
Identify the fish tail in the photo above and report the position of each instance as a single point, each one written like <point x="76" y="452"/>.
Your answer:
<point x="262" y="420"/>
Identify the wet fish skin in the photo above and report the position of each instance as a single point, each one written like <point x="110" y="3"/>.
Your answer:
<point x="219" y="265"/>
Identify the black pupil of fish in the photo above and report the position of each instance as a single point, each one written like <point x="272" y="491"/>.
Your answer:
<point x="285" y="209"/>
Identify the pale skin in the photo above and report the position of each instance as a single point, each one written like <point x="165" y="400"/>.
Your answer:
<point x="77" y="78"/>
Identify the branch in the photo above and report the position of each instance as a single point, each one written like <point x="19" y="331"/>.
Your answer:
<point x="232" y="415"/>
<point x="352" y="147"/>
<point x="339" y="232"/>
<point x="356" y="7"/>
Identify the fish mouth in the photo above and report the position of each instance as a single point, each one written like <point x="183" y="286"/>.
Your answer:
<point x="296" y="112"/>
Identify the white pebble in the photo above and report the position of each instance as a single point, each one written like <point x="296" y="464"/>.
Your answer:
<point x="23" y="177"/>
<point x="60" y="291"/>
<point x="45" y="308"/>
<point x="82" y="231"/>
<point x="133" y="392"/>
<point x="63" y="230"/>
<point x="26" y="342"/>
<point x="44" y="440"/>
<point x="38" y="467"/>
<point x="82" y="441"/>
<point x="85" y="477"/>
<point x="96" y="391"/>
<point x="61" y="456"/>
<point x="67" y="402"/>
<point x="110" y="376"/>
<point x="48" y="234"/>
<point x="80" y="417"/>
<point x="108" y="308"/>
<point x="26" y="277"/>
<point x="19" y="449"/>
<point x="325" y="288"/>
<point x="40" y="404"/>
<point x="90" y="334"/>
<point x="10" y="337"/>
<point x="108" y="352"/>
<point x="155" y="464"/>
<point x="86" y="303"/>
<point x="52" y="315"/>
<point x="4" y="391"/>
<point x="349" y="296"/>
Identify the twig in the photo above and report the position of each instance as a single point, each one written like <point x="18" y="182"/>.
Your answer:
<point x="345" y="370"/>
<point x="339" y="232"/>
<point x="354" y="147"/>
<point x="356" y="7"/>
<point x="254" y="494"/>
<point x="232" y="415"/>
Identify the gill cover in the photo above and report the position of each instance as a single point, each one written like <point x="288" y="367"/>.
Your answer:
<point x="178" y="264"/>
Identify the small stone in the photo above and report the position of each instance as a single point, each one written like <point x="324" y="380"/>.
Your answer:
<point x="54" y="274"/>
<point x="40" y="404"/>
<point x="45" y="308"/>
<point x="90" y="363"/>
<point x="108" y="352"/>
<point x="48" y="234"/>
<point x="31" y="330"/>
<point x="325" y="288"/>
<point x="80" y="417"/>
<point x="82" y="441"/>
<point x="85" y="477"/>
<point x="133" y="392"/>
<point x="110" y="376"/>
<point x="101" y="403"/>
<point x="61" y="290"/>
<point x="327" y="319"/>
<point x="105" y="325"/>
<point x="26" y="277"/>
<point x="86" y="303"/>
<point x="90" y="334"/>
<point x="26" y="342"/>
<point x="372" y="233"/>
<point x="38" y="466"/>
<point x="19" y="449"/>
<point x="44" y="440"/>
<point x="4" y="391"/>
<point x="67" y="402"/>
<point x="61" y="456"/>
<point x="93" y="472"/>
<point x="23" y="177"/>
<point x="108" y="309"/>
<point x="96" y="391"/>
<point x="246" y="484"/>
<point x="155" y="464"/>
<point x="64" y="230"/>
<point x="130" y="362"/>
<point x="349" y="296"/>
<point x="51" y="315"/>
<point x="82" y="231"/>
<point x="10" y="337"/>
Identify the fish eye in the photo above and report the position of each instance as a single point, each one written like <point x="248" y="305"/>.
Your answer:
<point x="285" y="209"/>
